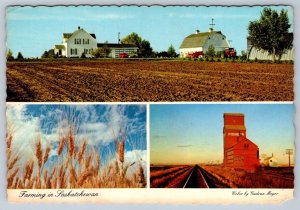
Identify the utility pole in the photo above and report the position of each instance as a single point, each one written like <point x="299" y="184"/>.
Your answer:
<point x="289" y="152"/>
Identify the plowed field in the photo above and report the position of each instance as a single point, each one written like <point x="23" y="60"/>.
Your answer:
<point x="127" y="80"/>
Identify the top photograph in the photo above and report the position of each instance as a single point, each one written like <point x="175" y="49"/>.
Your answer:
<point x="149" y="54"/>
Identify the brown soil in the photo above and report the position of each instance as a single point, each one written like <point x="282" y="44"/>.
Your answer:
<point x="140" y="80"/>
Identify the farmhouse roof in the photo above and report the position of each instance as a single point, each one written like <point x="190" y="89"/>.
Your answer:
<point x="68" y="35"/>
<point x="269" y="158"/>
<point x="197" y="40"/>
<point x="116" y="45"/>
<point x="93" y="35"/>
<point x="60" y="46"/>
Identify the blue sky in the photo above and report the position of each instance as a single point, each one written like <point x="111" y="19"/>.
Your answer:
<point x="194" y="133"/>
<point x="32" y="30"/>
<point x="101" y="125"/>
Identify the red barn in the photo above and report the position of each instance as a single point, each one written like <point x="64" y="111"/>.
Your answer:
<point x="239" y="151"/>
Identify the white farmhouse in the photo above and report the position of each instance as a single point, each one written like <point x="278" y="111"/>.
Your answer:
<point x="269" y="161"/>
<point x="199" y="42"/>
<point x="76" y="43"/>
<point x="79" y="42"/>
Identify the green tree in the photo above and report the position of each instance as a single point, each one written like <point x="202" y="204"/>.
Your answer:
<point x="145" y="49"/>
<point x="270" y="32"/>
<point x="49" y="54"/>
<point x="97" y="53"/>
<point x="106" y="49"/>
<point x="243" y="56"/>
<point x="211" y="51"/>
<point x="20" y="56"/>
<point x="45" y="54"/>
<point x="9" y="55"/>
<point x="171" y="51"/>
<point x="83" y="55"/>
<point x="132" y="38"/>
<point x="102" y="52"/>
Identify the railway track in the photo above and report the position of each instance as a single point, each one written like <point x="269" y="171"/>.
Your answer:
<point x="196" y="179"/>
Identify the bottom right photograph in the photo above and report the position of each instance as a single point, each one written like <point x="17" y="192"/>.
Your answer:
<point x="236" y="145"/>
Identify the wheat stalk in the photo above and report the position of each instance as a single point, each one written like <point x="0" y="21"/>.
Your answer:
<point x="39" y="153"/>
<point x="71" y="145"/>
<point x="46" y="155"/>
<point x="11" y="177"/>
<point x="11" y="163"/>
<point x="83" y="177"/>
<point x="28" y="170"/>
<point x="61" y="146"/>
<point x="81" y="151"/>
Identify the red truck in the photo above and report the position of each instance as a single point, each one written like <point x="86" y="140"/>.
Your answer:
<point x="123" y="55"/>
<point x="229" y="52"/>
<point x="197" y="54"/>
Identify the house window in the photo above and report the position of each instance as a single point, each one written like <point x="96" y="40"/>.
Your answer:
<point x="85" y="51"/>
<point x="77" y="41"/>
<point x="72" y="51"/>
<point x="85" y="41"/>
<point x="75" y="51"/>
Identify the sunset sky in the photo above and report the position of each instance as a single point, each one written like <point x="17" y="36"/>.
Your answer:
<point x="190" y="134"/>
<point x="32" y="30"/>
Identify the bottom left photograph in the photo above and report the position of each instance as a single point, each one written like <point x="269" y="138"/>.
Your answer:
<point x="51" y="146"/>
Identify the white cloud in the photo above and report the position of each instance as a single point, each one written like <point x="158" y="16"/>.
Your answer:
<point x="135" y="158"/>
<point x="96" y="133"/>
<point x="97" y="129"/>
<point x="24" y="130"/>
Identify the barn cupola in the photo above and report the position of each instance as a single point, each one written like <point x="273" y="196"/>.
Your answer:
<point x="78" y="27"/>
<point x="197" y="31"/>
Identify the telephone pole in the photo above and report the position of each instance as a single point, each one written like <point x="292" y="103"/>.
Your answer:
<point x="289" y="152"/>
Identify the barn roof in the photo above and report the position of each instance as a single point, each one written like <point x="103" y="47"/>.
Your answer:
<point x="235" y="127"/>
<point x="197" y="40"/>
<point x="116" y="45"/>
